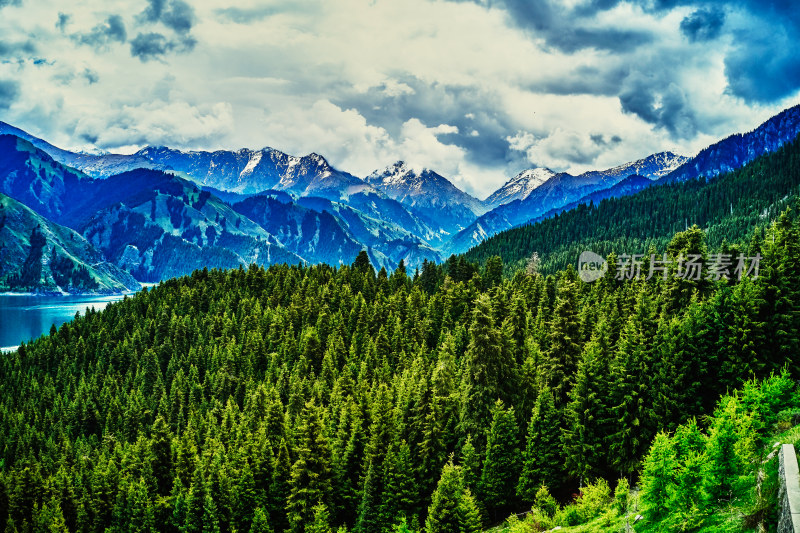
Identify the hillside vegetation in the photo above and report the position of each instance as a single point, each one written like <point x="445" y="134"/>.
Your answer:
<point x="729" y="208"/>
<point x="309" y="398"/>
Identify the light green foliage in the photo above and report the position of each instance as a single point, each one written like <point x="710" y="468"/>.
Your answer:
<point x="545" y="502"/>
<point x="622" y="496"/>
<point x="452" y="509"/>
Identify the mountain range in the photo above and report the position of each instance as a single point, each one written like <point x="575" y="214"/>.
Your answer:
<point x="163" y="212"/>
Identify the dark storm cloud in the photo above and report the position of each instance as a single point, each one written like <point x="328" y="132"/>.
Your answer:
<point x="571" y="40"/>
<point x="564" y="29"/>
<point x="8" y="50"/>
<point x="765" y="70"/>
<point x="481" y="132"/>
<point x="585" y="79"/>
<point x="90" y="76"/>
<point x="760" y="69"/>
<point x="148" y="46"/>
<point x="703" y="24"/>
<point x="243" y="15"/>
<point x="101" y="36"/>
<point x="63" y="21"/>
<point x="9" y="91"/>
<point x="174" y="14"/>
<point x="663" y="105"/>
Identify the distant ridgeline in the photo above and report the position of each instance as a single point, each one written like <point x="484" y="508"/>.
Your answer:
<point x="729" y="208"/>
<point x="311" y="399"/>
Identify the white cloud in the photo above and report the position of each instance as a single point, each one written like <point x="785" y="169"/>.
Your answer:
<point x="271" y="74"/>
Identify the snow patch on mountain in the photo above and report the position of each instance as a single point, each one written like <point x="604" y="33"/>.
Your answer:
<point x="520" y="186"/>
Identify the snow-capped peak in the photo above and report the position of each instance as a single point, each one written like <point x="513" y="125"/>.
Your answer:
<point x="400" y="173"/>
<point x="419" y="186"/>
<point x="652" y="167"/>
<point x="520" y="186"/>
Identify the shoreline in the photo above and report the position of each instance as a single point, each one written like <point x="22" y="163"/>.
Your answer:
<point x="86" y="294"/>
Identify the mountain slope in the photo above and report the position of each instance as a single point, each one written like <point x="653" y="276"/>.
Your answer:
<point x="308" y="233"/>
<point x="726" y="155"/>
<point x="94" y="165"/>
<point x="728" y="207"/>
<point x="536" y="197"/>
<point x="39" y="255"/>
<point x="166" y="226"/>
<point x="32" y="177"/>
<point x="519" y="187"/>
<point x="366" y="225"/>
<point x="253" y="171"/>
<point x="739" y="149"/>
<point x="428" y="194"/>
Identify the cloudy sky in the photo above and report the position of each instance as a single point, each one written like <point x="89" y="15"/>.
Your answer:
<point x="476" y="89"/>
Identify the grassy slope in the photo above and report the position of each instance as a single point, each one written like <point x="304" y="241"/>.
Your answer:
<point x="18" y="223"/>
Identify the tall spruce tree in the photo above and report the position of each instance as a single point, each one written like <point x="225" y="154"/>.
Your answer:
<point x="589" y="416"/>
<point x="501" y="464"/>
<point x="452" y="509"/>
<point x="311" y="472"/>
<point x="564" y="340"/>
<point x="542" y="460"/>
<point x="487" y="373"/>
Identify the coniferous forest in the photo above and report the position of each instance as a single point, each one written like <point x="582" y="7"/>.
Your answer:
<point x="313" y="399"/>
<point x="729" y="208"/>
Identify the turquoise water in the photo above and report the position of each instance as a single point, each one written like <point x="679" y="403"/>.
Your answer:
<point x="24" y="317"/>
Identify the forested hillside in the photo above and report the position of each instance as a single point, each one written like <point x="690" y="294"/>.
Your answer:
<point x="316" y="399"/>
<point x="728" y="208"/>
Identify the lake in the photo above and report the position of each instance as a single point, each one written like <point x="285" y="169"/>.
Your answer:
<point x="26" y="317"/>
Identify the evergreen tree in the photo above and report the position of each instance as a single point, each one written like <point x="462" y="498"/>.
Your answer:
<point x="400" y="489"/>
<point x="658" y="478"/>
<point x="632" y="373"/>
<point x="588" y="414"/>
<point x="488" y="372"/>
<point x="501" y="463"/>
<point x="452" y="509"/>
<point x="542" y="462"/>
<point x="260" y="522"/>
<point x="565" y="348"/>
<point x="311" y="472"/>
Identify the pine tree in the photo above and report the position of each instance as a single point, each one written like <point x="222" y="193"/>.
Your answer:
<point x="686" y="500"/>
<point x="452" y="509"/>
<point x="311" y="472"/>
<point x="658" y="478"/>
<point x="161" y="450"/>
<point x="565" y="349"/>
<point x="470" y="464"/>
<point x="321" y="523"/>
<point x="542" y="459"/>
<point x="369" y="515"/>
<point x="487" y="373"/>
<point x="722" y="464"/>
<point x="280" y="488"/>
<point x="501" y="463"/>
<point x="589" y="416"/>
<point x="632" y="375"/>
<point x="493" y="272"/>
<point x="260" y="522"/>
<point x="399" y="489"/>
<point x="195" y="503"/>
